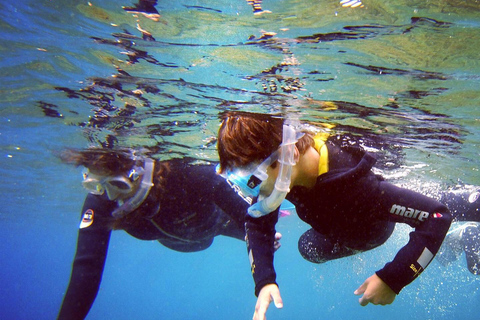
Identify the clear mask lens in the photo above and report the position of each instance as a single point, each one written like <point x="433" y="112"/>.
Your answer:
<point x="261" y="170"/>
<point x="114" y="186"/>
<point x="249" y="179"/>
<point x="93" y="186"/>
<point x="257" y="170"/>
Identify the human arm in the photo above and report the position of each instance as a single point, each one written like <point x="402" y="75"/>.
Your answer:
<point x="431" y="221"/>
<point x="88" y="264"/>
<point x="260" y="245"/>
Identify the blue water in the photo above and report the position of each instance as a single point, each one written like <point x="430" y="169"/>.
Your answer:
<point x="76" y="74"/>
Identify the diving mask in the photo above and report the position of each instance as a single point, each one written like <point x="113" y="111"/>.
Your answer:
<point x="123" y="185"/>
<point x="115" y="186"/>
<point x="246" y="181"/>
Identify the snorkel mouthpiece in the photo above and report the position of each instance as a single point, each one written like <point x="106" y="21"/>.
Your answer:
<point x="282" y="184"/>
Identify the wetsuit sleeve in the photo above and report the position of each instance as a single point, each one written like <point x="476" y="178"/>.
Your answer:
<point x="87" y="269"/>
<point x="430" y="226"/>
<point x="260" y="240"/>
<point x="234" y="206"/>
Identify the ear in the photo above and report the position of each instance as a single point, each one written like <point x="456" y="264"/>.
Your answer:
<point x="296" y="155"/>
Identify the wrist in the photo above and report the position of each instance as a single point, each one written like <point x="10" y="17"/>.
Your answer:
<point x="259" y="286"/>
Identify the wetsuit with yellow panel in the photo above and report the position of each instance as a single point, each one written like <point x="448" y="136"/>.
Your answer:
<point x="350" y="209"/>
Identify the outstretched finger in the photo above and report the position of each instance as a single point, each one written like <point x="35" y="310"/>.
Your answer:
<point x="361" y="289"/>
<point x="277" y="299"/>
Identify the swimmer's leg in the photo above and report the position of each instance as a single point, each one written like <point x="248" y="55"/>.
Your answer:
<point x="186" y="246"/>
<point x="471" y="245"/>
<point x="452" y="247"/>
<point x="317" y="248"/>
<point x="464" y="205"/>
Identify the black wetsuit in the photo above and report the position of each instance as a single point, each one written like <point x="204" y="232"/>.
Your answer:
<point x="196" y="205"/>
<point x="351" y="210"/>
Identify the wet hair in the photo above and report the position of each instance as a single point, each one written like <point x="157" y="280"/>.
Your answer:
<point x="245" y="138"/>
<point x="101" y="161"/>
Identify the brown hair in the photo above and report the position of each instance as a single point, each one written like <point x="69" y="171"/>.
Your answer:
<point x="245" y="138"/>
<point x="102" y="161"/>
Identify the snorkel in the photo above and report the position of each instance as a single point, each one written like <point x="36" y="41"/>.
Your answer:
<point x="142" y="193"/>
<point x="282" y="184"/>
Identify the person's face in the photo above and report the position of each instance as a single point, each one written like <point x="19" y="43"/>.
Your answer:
<point x="304" y="173"/>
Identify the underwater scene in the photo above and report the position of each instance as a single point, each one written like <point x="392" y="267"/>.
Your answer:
<point x="401" y="78"/>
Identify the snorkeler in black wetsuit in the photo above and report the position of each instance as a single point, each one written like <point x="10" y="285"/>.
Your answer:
<point x="349" y="208"/>
<point x="187" y="206"/>
<point x="342" y="189"/>
<point x="358" y="213"/>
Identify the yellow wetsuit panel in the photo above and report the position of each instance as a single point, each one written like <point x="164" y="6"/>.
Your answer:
<point x="320" y="139"/>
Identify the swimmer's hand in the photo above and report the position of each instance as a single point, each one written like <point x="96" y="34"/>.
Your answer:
<point x="267" y="294"/>
<point x="277" y="244"/>
<point x="375" y="291"/>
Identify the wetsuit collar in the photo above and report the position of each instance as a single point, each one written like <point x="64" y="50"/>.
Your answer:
<point x="320" y="140"/>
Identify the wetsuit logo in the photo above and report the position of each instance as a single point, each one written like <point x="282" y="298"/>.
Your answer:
<point x="409" y="212"/>
<point x="474" y="197"/>
<point x="87" y="219"/>
<point x="238" y="190"/>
